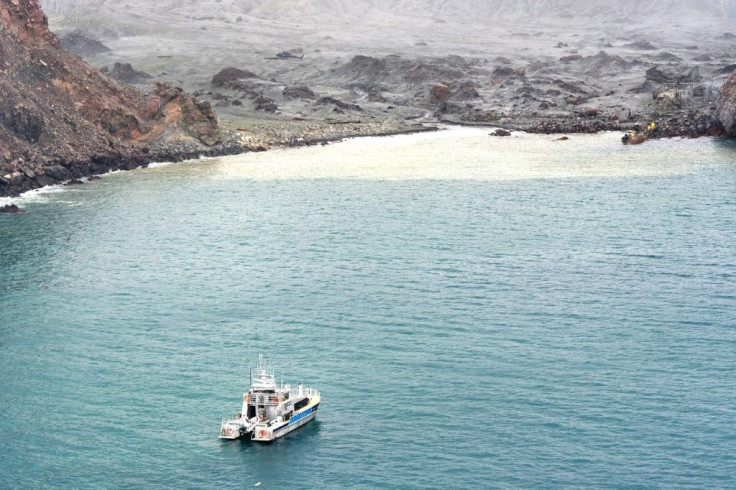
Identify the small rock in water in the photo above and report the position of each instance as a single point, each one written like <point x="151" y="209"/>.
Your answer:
<point x="11" y="209"/>
<point x="500" y="132"/>
<point x="93" y="177"/>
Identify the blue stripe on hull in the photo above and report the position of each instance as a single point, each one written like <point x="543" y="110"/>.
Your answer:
<point x="296" y="418"/>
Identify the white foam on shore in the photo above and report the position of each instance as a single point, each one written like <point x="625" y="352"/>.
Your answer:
<point x="468" y="154"/>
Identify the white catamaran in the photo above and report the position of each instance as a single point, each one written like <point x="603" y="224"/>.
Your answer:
<point x="269" y="411"/>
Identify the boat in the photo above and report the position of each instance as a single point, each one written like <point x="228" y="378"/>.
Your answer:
<point x="270" y="411"/>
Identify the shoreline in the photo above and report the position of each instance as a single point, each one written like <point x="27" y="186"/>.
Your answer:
<point x="242" y="141"/>
<point x="102" y="164"/>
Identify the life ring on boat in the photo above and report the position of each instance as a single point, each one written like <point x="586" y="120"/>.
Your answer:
<point x="262" y="433"/>
<point x="276" y="399"/>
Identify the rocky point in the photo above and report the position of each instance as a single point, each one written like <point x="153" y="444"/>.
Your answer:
<point x="60" y="119"/>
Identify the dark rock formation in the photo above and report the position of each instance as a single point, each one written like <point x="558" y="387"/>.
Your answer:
<point x="724" y="118"/>
<point x="394" y="70"/>
<point x="82" y="43"/>
<point x="229" y="77"/>
<point x="672" y="76"/>
<point x="339" y="104"/>
<point x="11" y="209"/>
<point x="464" y="91"/>
<point x="501" y="132"/>
<point x="266" y="104"/>
<point x="124" y="72"/>
<point x="298" y="93"/>
<point x="643" y="45"/>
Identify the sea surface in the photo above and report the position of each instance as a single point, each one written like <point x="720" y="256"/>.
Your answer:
<point x="477" y="312"/>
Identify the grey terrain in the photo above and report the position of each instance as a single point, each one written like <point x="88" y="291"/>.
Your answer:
<point x="545" y="66"/>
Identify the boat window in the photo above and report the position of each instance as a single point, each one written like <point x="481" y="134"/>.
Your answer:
<point x="301" y="403"/>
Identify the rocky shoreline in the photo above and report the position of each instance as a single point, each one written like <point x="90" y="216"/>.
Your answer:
<point x="65" y="116"/>
<point x="38" y="172"/>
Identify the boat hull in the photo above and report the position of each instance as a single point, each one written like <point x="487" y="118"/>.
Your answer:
<point x="267" y="434"/>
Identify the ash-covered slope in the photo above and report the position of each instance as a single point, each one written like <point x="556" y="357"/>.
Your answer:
<point x="61" y="119"/>
<point x="449" y="10"/>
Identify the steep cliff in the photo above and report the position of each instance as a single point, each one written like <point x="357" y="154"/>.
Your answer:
<point x="724" y="118"/>
<point x="60" y="118"/>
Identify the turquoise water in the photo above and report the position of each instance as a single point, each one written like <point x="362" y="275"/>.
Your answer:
<point x="477" y="312"/>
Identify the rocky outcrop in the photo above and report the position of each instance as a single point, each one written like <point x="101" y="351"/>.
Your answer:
<point x="82" y="43"/>
<point x="302" y="92"/>
<point x="61" y="119"/>
<point x="439" y="92"/>
<point x="229" y="77"/>
<point x="124" y="72"/>
<point x="724" y="118"/>
<point x="11" y="209"/>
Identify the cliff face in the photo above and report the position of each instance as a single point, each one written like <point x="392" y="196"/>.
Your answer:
<point x="60" y="118"/>
<point x="724" y="118"/>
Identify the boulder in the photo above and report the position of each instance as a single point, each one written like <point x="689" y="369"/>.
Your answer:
<point x="465" y="91"/>
<point x="82" y="43"/>
<point x="266" y="104"/>
<point x="124" y="72"/>
<point x="11" y="209"/>
<point x="228" y="77"/>
<point x="302" y="92"/>
<point x="724" y="118"/>
<point x="500" y="132"/>
<point x="56" y="172"/>
<point x="343" y="106"/>
<point x="439" y="92"/>
<point x="44" y="180"/>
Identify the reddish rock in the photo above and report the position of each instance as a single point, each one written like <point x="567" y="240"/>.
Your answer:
<point x="724" y="118"/>
<point x="439" y="92"/>
<point x="52" y="103"/>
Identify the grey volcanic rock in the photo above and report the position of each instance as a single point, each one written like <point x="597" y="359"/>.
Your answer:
<point x="124" y="72"/>
<point x="230" y="76"/>
<point x="725" y="116"/>
<point x="344" y="106"/>
<point x="604" y="61"/>
<point x="395" y="71"/>
<point x="56" y="172"/>
<point x="82" y="43"/>
<point x="643" y="45"/>
<point x="11" y="209"/>
<point x="302" y="92"/>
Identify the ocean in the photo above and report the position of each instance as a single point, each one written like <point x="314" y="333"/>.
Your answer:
<point x="486" y="312"/>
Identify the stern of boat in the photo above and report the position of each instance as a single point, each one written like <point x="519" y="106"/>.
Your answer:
<point x="263" y="434"/>
<point x="233" y="429"/>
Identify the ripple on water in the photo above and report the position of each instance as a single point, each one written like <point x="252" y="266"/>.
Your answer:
<point x="476" y="311"/>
